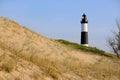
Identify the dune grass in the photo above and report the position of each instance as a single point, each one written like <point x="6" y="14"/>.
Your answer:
<point x="54" y="60"/>
<point x="7" y="63"/>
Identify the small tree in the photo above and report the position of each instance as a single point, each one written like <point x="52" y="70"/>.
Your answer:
<point x="114" y="42"/>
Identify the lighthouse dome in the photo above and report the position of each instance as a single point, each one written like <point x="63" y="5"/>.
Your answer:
<point x="84" y="19"/>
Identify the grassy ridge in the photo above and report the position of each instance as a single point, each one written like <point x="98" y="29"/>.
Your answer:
<point x="83" y="48"/>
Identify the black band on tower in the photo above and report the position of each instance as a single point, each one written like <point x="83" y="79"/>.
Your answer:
<point x="84" y="37"/>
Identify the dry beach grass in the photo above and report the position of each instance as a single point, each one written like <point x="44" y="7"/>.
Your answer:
<point x="26" y="55"/>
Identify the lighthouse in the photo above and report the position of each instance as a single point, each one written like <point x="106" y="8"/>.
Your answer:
<point x="84" y="31"/>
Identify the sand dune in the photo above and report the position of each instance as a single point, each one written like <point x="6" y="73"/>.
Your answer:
<point x="26" y="55"/>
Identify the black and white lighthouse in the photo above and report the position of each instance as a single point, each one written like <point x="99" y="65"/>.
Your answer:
<point x="84" y="31"/>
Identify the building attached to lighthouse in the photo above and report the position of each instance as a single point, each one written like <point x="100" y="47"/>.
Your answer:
<point x="84" y="31"/>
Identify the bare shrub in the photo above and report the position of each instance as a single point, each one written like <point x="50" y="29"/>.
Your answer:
<point x="114" y="42"/>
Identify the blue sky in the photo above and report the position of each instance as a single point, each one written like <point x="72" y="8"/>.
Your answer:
<point x="60" y="19"/>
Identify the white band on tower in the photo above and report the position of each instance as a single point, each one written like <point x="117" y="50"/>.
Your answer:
<point x="84" y="27"/>
<point x="84" y="44"/>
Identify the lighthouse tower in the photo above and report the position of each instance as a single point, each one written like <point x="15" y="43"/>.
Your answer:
<point x="84" y="31"/>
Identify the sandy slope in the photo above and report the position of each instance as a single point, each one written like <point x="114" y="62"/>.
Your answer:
<point x="25" y="55"/>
